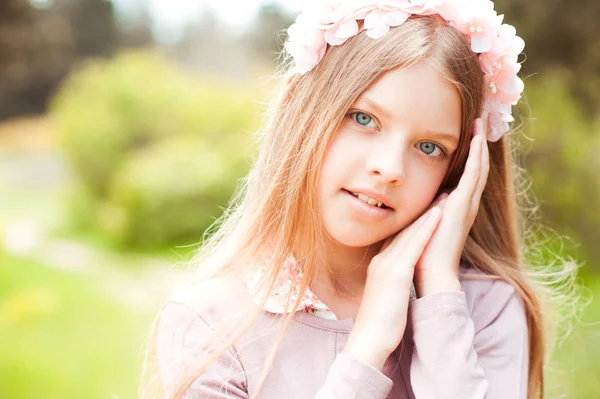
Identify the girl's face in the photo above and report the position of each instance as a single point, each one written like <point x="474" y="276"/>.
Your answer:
<point x="394" y="146"/>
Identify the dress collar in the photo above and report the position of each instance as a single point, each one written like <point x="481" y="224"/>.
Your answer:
<point x="290" y="277"/>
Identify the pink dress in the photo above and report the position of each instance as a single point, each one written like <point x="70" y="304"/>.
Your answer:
<point x="458" y="344"/>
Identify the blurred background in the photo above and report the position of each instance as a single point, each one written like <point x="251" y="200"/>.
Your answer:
<point x="124" y="126"/>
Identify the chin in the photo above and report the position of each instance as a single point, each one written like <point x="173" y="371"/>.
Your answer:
<point x="355" y="239"/>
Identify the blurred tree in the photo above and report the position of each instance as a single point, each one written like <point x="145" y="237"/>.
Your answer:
<point x="563" y="163"/>
<point x="134" y="26"/>
<point x="32" y="52"/>
<point x="94" y="26"/>
<point x="207" y="45"/>
<point x="210" y="45"/>
<point x="39" y="44"/>
<point x="268" y="31"/>
<point x="155" y="158"/>
<point x="561" y="34"/>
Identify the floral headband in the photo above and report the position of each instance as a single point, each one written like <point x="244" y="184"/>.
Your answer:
<point x="334" y="21"/>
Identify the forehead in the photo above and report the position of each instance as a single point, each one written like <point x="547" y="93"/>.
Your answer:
<point x="419" y="97"/>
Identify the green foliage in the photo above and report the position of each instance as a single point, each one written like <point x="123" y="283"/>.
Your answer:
<point x="574" y="366"/>
<point x="563" y="161"/>
<point x="63" y="337"/>
<point x="171" y="190"/>
<point x="560" y="34"/>
<point x="134" y="127"/>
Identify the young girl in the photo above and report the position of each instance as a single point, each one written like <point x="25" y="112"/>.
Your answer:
<point x="375" y="249"/>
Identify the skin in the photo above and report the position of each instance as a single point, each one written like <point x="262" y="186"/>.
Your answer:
<point x="386" y="152"/>
<point x="371" y="265"/>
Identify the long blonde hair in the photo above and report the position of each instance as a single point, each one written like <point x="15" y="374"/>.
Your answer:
<point x="274" y="211"/>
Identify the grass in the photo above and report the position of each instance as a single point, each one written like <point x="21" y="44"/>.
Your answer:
<point x="575" y="366"/>
<point x="62" y="337"/>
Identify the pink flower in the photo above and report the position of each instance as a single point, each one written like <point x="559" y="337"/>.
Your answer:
<point x="507" y="42"/>
<point x="332" y="22"/>
<point x="378" y="22"/>
<point x="337" y="19"/>
<point x="497" y="123"/>
<point x="306" y="45"/>
<point x="505" y="87"/>
<point x="341" y="31"/>
<point x="475" y="18"/>
<point x="421" y="7"/>
<point x="504" y="53"/>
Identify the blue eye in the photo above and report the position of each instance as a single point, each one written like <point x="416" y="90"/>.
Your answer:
<point x="429" y="148"/>
<point x="362" y="118"/>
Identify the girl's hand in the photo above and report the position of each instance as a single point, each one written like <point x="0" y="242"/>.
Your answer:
<point x="437" y="269"/>
<point x="382" y="315"/>
<point x="427" y="251"/>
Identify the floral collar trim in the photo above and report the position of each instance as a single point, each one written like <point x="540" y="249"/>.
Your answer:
<point x="291" y="276"/>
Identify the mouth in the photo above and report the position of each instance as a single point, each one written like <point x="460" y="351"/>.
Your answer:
<point x="369" y="201"/>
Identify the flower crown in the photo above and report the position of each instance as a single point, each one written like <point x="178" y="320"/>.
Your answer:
<point x="334" y="21"/>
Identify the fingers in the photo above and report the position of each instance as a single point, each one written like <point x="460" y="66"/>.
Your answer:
<point x="474" y="178"/>
<point x="388" y="241"/>
<point x="415" y="228"/>
<point x="416" y="225"/>
<point x="391" y="243"/>
<point x="470" y="178"/>
<point x="484" y="166"/>
<point x="413" y="247"/>
<point x="400" y="239"/>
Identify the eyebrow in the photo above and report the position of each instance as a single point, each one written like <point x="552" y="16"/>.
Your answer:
<point x="388" y="114"/>
<point x="378" y="107"/>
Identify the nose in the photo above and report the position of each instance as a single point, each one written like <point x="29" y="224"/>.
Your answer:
<point x="388" y="163"/>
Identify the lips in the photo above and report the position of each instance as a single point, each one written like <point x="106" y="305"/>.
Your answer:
<point x="371" y="198"/>
<point x="363" y="211"/>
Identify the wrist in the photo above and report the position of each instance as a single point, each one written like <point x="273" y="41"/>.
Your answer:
<point x="429" y="285"/>
<point x="361" y="352"/>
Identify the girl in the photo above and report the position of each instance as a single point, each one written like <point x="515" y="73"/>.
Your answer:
<point x="375" y="249"/>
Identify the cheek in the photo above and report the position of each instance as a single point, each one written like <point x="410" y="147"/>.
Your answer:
<point x="430" y="180"/>
<point x="340" y="155"/>
<point x="422" y="186"/>
<point x="329" y="173"/>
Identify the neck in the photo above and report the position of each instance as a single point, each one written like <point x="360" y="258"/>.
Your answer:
<point x="343" y="273"/>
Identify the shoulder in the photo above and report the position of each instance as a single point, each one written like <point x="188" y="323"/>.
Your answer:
<point x="198" y="314"/>
<point x="209" y="301"/>
<point x="491" y="300"/>
<point x="195" y="322"/>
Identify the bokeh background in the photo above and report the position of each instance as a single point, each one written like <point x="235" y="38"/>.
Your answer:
<point x="124" y="126"/>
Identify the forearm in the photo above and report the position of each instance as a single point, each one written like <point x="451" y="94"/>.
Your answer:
<point x="433" y="283"/>
<point x="359" y="349"/>
<point x="350" y="378"/>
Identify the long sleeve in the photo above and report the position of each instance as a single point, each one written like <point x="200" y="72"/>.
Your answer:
<point x="453" y="357"/>
<point x="180" y="332"/>
<point x="349" y="378"/>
